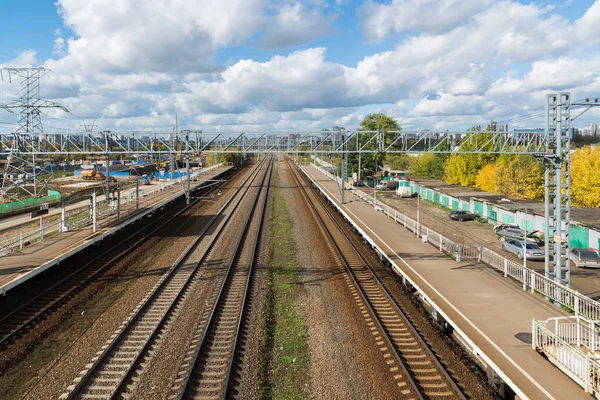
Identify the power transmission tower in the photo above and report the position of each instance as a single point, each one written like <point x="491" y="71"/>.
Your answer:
<point x="30" y="124"/>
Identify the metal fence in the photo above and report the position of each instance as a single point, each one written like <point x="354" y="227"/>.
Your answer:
<point x="558" y="345"/>
<point x="81" y="217"/>
<point x="530" y="280"/>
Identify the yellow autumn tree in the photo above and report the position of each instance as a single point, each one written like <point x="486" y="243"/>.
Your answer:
<point x="585" y="178"/>
<point x="488" y="178"/>
<point x="515" y="176"/>
<point x="463" y="168"/>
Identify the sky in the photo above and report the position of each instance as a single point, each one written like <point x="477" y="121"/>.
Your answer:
<point x="259" y="65"/>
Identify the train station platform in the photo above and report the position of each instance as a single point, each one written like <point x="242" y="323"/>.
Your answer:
<point x="20" y="266"/>
<point x="491" y="315"/>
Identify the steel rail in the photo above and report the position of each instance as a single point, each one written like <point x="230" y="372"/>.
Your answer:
<point x="211" y="325"/>
<point x="120" y="337"/>
<point x="96" y="267"/>
<point x="445" y="375"/>
<point x="246" y="292"/>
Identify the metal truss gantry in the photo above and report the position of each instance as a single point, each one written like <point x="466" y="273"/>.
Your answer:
<point x="552" y="146"/>
<point x="118" y="144"/>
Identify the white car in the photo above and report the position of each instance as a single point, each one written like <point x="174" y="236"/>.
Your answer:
<point x="585" y="258"/>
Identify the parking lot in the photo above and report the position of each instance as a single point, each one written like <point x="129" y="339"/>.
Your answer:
<point x="584" y="280"/>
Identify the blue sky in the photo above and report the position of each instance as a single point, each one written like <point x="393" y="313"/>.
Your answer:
<point x="293" y="64"/>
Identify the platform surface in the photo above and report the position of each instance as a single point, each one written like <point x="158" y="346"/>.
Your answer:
<point x="21" y="265"/>
<point x="13" y="221"/>
<point x="492" y="311"/>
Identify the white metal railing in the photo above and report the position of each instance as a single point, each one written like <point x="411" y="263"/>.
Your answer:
<point x="582" y="366"/>
<point x="531" y="280"/>
<point x="577" y="331"/>
<point x="81" y="217"/>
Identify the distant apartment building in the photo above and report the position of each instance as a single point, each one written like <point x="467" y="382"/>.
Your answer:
<point x="592" y="130"/>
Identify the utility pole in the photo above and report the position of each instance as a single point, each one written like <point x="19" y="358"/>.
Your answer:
<point x="359" y="154"/>
<point x="118" y="203"/>
<point x="418" y="211"/>
<point x="107" y="144"/>
<point x="187" y="168"/>
<point x="344" y="168"/>
<point x="557" y="207"/>
<point x="94" y="211"/>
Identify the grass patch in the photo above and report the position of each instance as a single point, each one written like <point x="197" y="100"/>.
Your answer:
<point x="284" y="351"/>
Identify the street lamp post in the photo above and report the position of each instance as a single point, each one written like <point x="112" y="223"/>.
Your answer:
<point x="418" y="211"/>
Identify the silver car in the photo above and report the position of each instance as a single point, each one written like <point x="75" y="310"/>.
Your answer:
<point x="585" y="258"/>
<point x="532" y="251"/>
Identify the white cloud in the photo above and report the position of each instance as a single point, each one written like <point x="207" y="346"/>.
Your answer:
<point x="294" y="25"/>
<point x="135" y="60"/>
<point x="302" y="79"/>
<point x="424" y="16"/>
<point x="25" y="59"/>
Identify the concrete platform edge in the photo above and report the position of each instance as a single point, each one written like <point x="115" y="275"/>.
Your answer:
<point x="93" y="239"/>
<point x="422" y="293"/>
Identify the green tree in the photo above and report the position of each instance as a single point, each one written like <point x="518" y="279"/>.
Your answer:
<point x="379" y="122"/>
<point x="371" y="161"/>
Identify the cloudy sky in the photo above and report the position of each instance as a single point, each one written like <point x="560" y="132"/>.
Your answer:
<point x="300" y="65"/>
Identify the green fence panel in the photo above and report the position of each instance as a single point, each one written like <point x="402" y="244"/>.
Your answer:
<point x="508" y="218"/>
<point x="454" y="204"/>
<point x="579" y="236"/>
<point x="478" y="207"/>
<point x="53" y="196"/>
<point x="492" y="215"/>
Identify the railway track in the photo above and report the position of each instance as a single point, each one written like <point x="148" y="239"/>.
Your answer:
<point x="415" y="368"/>
<point x="207" y="371"/>
<point x="18" y="321"/>
<point x="112" y="372"/>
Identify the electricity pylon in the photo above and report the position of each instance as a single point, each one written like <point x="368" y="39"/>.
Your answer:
<point x="20" y="168"/>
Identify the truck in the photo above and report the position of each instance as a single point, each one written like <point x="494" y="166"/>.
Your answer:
<point x="404" y="191"/>
<point x="92" y="175"/>
<point x="386" y="185"/>
<point x="146" y="179"/>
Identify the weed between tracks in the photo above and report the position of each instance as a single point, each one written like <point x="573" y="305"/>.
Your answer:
<point x="284" y="350"/>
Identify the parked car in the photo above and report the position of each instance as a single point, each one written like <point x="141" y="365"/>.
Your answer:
<point x="516" y="233"/>
<point x="585" y="258"/>
<point x="532" y="250"/>
<point x="386" y="185"/>
<point x="463" y="215"/>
